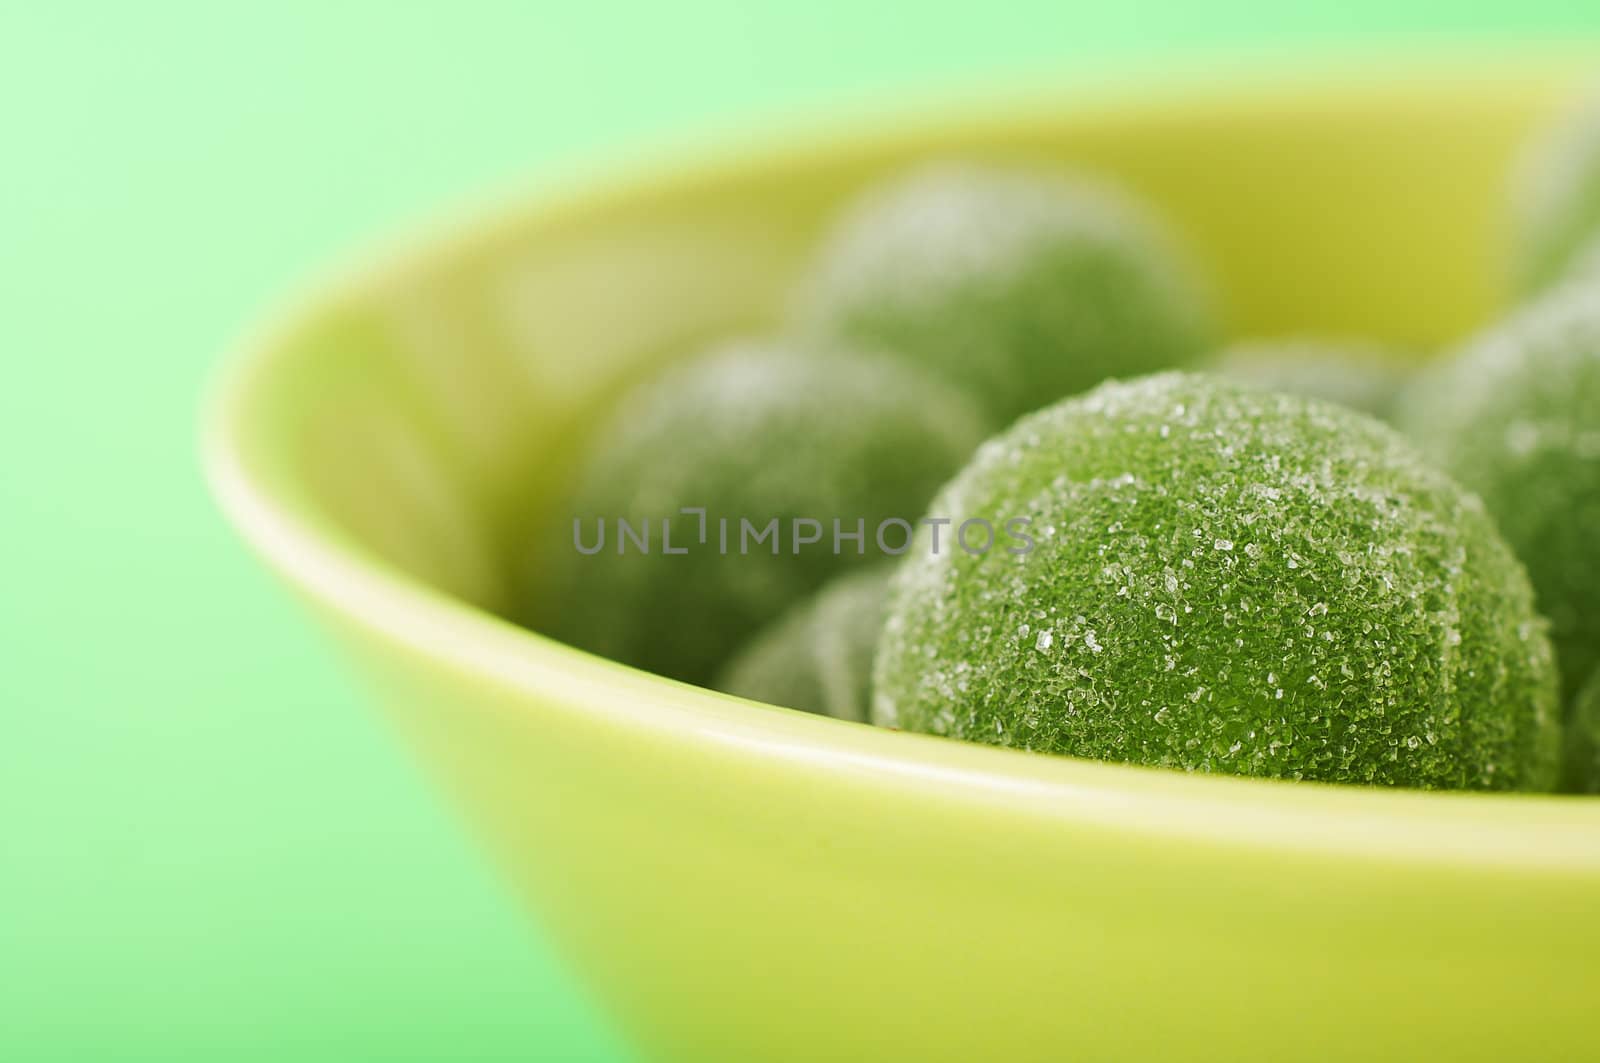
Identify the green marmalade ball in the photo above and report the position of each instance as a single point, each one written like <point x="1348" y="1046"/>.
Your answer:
<point x="1226" y="580"/>
<point x="1583" y="741"/>
<point x="1363" y="376"/>
<point x="1557" y="199"/>
<point x="817" y="657"/>
<point x="1515" y="416"/>
<point x="1585" y="268"/>
<point x="1018" y="286"/>
<point x="775" y="445"/>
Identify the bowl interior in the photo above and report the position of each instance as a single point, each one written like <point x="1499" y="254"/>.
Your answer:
<point x="417" y="420"/>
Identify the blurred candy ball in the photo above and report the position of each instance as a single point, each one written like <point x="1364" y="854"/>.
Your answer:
<point x="1557" y="199"/>
<point x="1226" y="580"/>
<point x="817" y="657"/>
<point x="1583" y="741"/>
<point x="1019" y="287"/>
<point x="789" y="463"/>
<point x="1515" y="416"/>
<point x="1362" y="376"/>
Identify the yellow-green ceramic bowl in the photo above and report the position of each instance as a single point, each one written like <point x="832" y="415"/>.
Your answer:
<point x="741" y="882"/>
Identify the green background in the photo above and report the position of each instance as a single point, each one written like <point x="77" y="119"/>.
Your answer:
<point x="209" y="848"/>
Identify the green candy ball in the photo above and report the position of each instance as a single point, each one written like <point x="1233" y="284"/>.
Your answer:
<point x="1362" y="376"/>
<point x="817" y="657"/>
<point x="1019" y="287"/>
<point x="1515" y="416"/>
<point x="753" y="435"/>
<point x="1226" y="580"/>
<point x="1585" y="269"/>
<point x="1556" y="200"/>
<point x="1583" y="741"/>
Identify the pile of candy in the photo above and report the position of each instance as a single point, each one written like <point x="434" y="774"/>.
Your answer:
<point x="1183" y="554"/>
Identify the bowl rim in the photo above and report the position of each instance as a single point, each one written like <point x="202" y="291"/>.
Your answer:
<point x="242" y="462"/>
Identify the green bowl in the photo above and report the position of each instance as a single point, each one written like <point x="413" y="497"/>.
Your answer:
<point x="735" y="881"/>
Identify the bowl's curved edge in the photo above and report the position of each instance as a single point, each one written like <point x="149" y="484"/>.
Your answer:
<point x="306" y="548"/>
